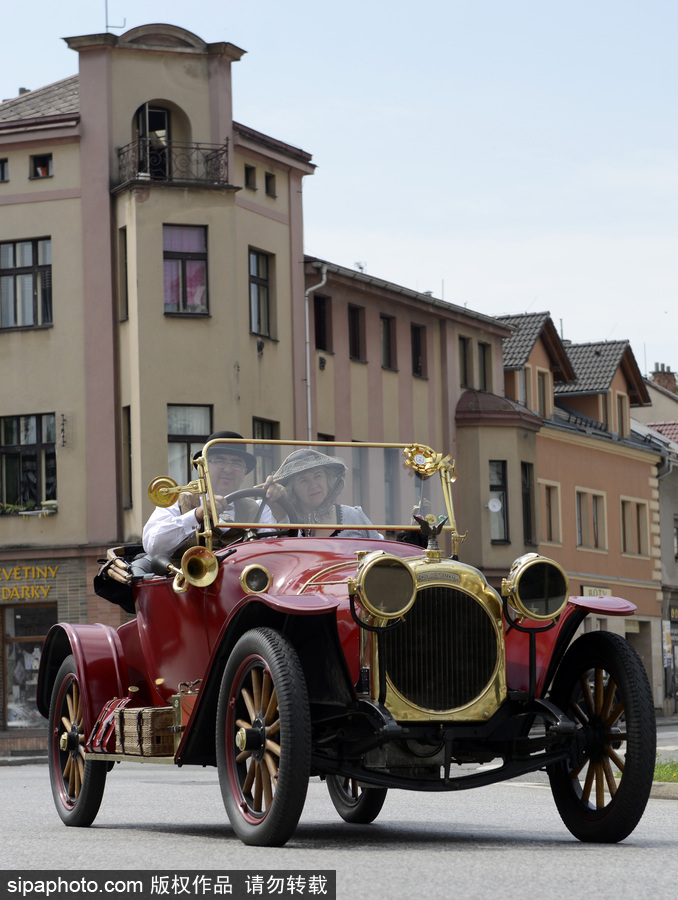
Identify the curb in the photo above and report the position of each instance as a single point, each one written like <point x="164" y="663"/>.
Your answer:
<point x="664" y="790"/>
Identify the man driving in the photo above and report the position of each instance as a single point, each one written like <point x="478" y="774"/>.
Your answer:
<point x="172" y="529"/>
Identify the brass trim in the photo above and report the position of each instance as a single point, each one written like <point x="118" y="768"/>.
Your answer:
<point x="259" y="568"/>
<point x="457" y="576"/>
<point x="510" y="586"/>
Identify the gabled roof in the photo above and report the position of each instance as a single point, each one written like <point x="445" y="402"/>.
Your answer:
<point x="668" y="429"/>
<point x="529" y="328"/>
<point x="58" y="99"/>
<point x="595" y="366"/>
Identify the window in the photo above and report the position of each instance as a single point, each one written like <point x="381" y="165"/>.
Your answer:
<point x="465" y="361"/>
<point x="126" y="457"/>
<point x="153" y="135"/>
<point x="543" y="394"/>
<point x="622" y="415"/>
<point x="27" y="462"/>
<point x="527" y="482"/>
<point x="356" y="333"/>
<point x="4" y="170"/>
<point x="24" y="628"/>
<point x="484" y="367"/>
<point x="418" y="334"/>
<point x="634" y="527"/>
<point x="551" y="513"/>
<point x="269" y="179"/>
<point x="265" y="430"/>
<point x="41" y="166"/>
<point x="123" y="297"/>
<point x="185" y="269"/>
<point x="591" y="525"/>
<point x="322" y="319"/>
<point x="250" y="177"/>
<point x="188" y="427"/>
<point x="261" y="265"/>
<point x="26" y="283"/>
<point x="387" y="331"/>
<point x="498" y="505"/>
<point x="675" y="538"/>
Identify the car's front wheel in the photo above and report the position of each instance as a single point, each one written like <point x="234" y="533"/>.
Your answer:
<point x="354" y="802"/>
<point x="263" y="738"/>
<point x="77" y="782"/>
<point x="601" y="792"/>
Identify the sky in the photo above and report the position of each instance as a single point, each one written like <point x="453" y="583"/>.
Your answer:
<point x="508" y="155"/>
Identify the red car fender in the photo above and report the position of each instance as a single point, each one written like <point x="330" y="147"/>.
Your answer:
<point x="296" y="605"/>
<point x="99" y="661"/>
<point x="551" y="644"/>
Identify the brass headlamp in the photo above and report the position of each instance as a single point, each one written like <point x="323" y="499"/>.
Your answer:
<point x="384" y="585"/>
<point x="536" y="587"/>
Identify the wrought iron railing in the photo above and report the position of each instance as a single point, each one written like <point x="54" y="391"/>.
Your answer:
<point x="173" y="162"/>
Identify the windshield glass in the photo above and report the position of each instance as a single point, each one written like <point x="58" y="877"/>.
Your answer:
<point x="324" y="488"/>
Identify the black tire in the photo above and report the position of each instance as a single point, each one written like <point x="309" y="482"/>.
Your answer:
<point x="263" y="705"/>
<point x="602" y="685"/>
<point x="355" y="804"/>
<point x="77" y="782"/>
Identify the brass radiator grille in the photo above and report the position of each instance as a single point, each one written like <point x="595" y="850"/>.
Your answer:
<point x="445" y="653"/>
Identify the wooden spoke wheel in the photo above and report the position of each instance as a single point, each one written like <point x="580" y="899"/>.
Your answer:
<point x="602" y="790"/>
<point x="77" y="782"/>
<point x="354" y="802"/>
<point x="263" y="738"/>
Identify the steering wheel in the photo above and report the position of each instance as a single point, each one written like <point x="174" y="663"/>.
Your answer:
<point x="260" y="494"/>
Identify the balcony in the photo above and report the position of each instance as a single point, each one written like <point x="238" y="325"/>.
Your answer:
<point x="204" y="165"/>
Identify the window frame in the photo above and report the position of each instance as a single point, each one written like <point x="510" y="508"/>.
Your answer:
<point x="484" y="366"/>
<point x="499" y="519"/>
<point x="260" y="286"/>
<point x="40" y="161"/>
<point x="551" y="520"/>
<point x="322" y="322"/>
<point x="42" y="289"/>
<point x="250" y="177"/>
<point x="42" y="472"/>
<point x="191" y="441"/>
<point x="527" y="496"/>
<point x="387" y="337"/>
<point x="591" y="520"/>
<point x="465" y="370"/>
<point x="356" y="333"/>
<point x="185" y="257"/>
<point x="634" y="523"/>
<point x="418" y="343"/>
<point x="4" y="170"/>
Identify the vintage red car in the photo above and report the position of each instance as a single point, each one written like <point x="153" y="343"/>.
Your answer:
<point x="331" y="629"/>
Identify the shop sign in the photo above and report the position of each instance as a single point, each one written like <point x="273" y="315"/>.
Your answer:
<point x="21" y="582"/>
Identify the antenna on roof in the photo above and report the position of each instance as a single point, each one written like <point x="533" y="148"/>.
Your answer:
<point x="124" y="21"/>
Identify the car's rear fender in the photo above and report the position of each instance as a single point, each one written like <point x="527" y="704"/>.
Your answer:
<point x="317" y="643"/>
<point x="100" y="666"/>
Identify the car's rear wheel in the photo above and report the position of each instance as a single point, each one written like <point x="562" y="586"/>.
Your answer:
<point x="77" y="782"/>
<point x="263" y="738"/>
<point x="602" y="685"/>
<point x="355" y="804"/>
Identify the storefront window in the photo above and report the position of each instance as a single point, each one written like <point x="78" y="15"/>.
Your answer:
<point x="23" y="630"/>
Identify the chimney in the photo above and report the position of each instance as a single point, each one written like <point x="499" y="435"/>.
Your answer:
<point x="664" y="377"/>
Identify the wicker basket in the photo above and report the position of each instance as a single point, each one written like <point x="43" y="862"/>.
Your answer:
<point x="145" y="731"/>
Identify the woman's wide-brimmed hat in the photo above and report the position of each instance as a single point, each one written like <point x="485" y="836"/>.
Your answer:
<point x="302" y="460"/>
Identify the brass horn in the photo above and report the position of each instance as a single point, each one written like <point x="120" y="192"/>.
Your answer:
<point x="199" y="567"/>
